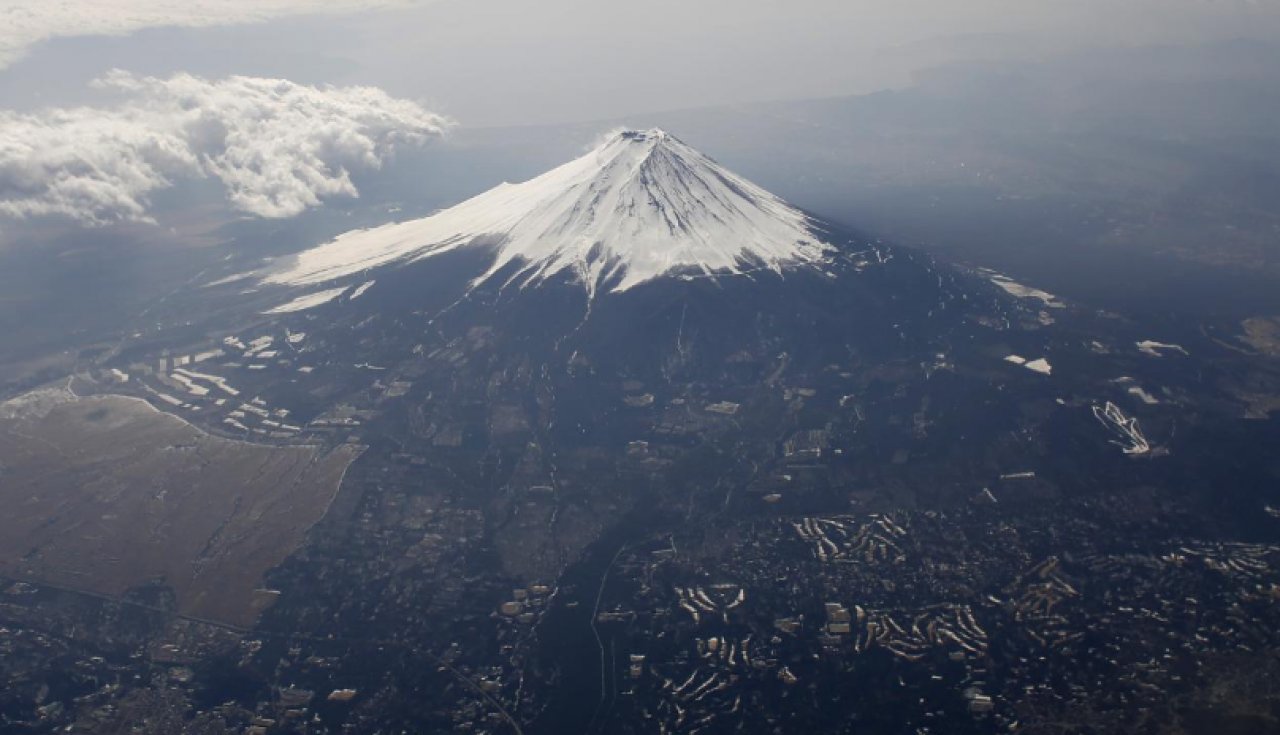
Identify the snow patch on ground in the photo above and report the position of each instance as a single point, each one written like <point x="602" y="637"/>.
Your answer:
<point x="1143" y="395"/>
<point x="361" y="289"/>
<point x="35" y="404"/>
<point x="1158" y="349"/>
<point x="1013" y="288"/>
<point x="233" y="278"/>
<point x="1041" y="366"/>
<point x="1133" y="389"/>
<point x="309" y="301"/>
<point x="1128" y="435"/>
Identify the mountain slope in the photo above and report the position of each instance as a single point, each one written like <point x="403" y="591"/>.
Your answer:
<point x="638" y="206"/>
<point x="555" y="472"/>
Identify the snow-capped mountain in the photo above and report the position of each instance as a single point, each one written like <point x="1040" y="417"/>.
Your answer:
<point x="642" y="204"/>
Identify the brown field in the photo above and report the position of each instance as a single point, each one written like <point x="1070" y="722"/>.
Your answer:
<point x="104" y="494"/>
<point x="1263" y="334"/>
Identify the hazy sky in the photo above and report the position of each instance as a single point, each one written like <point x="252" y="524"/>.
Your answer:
<point x="104" y="103"/>
<point x="501" y="62"/>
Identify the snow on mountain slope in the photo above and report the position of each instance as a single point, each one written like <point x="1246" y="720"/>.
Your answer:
<point x="641" y="205"/>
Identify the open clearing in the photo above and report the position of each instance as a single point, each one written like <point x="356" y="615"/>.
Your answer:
<point x="105" y="494"/>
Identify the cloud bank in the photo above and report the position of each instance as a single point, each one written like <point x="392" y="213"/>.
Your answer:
<point x="277" y="147"/>
<point x="25" y="23"/>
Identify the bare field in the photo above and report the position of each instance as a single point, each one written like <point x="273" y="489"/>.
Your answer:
<point x="1263" y="334"/>
<point x="104" y="494"/>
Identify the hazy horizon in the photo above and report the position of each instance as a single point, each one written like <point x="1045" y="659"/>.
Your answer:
<point x="508" y="62"/>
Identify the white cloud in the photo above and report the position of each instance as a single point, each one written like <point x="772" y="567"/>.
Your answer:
<point x="25" y="23"/>
<point x="277" y="147"/>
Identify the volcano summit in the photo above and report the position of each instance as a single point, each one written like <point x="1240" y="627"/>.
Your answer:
<point x="642" y="204"/>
